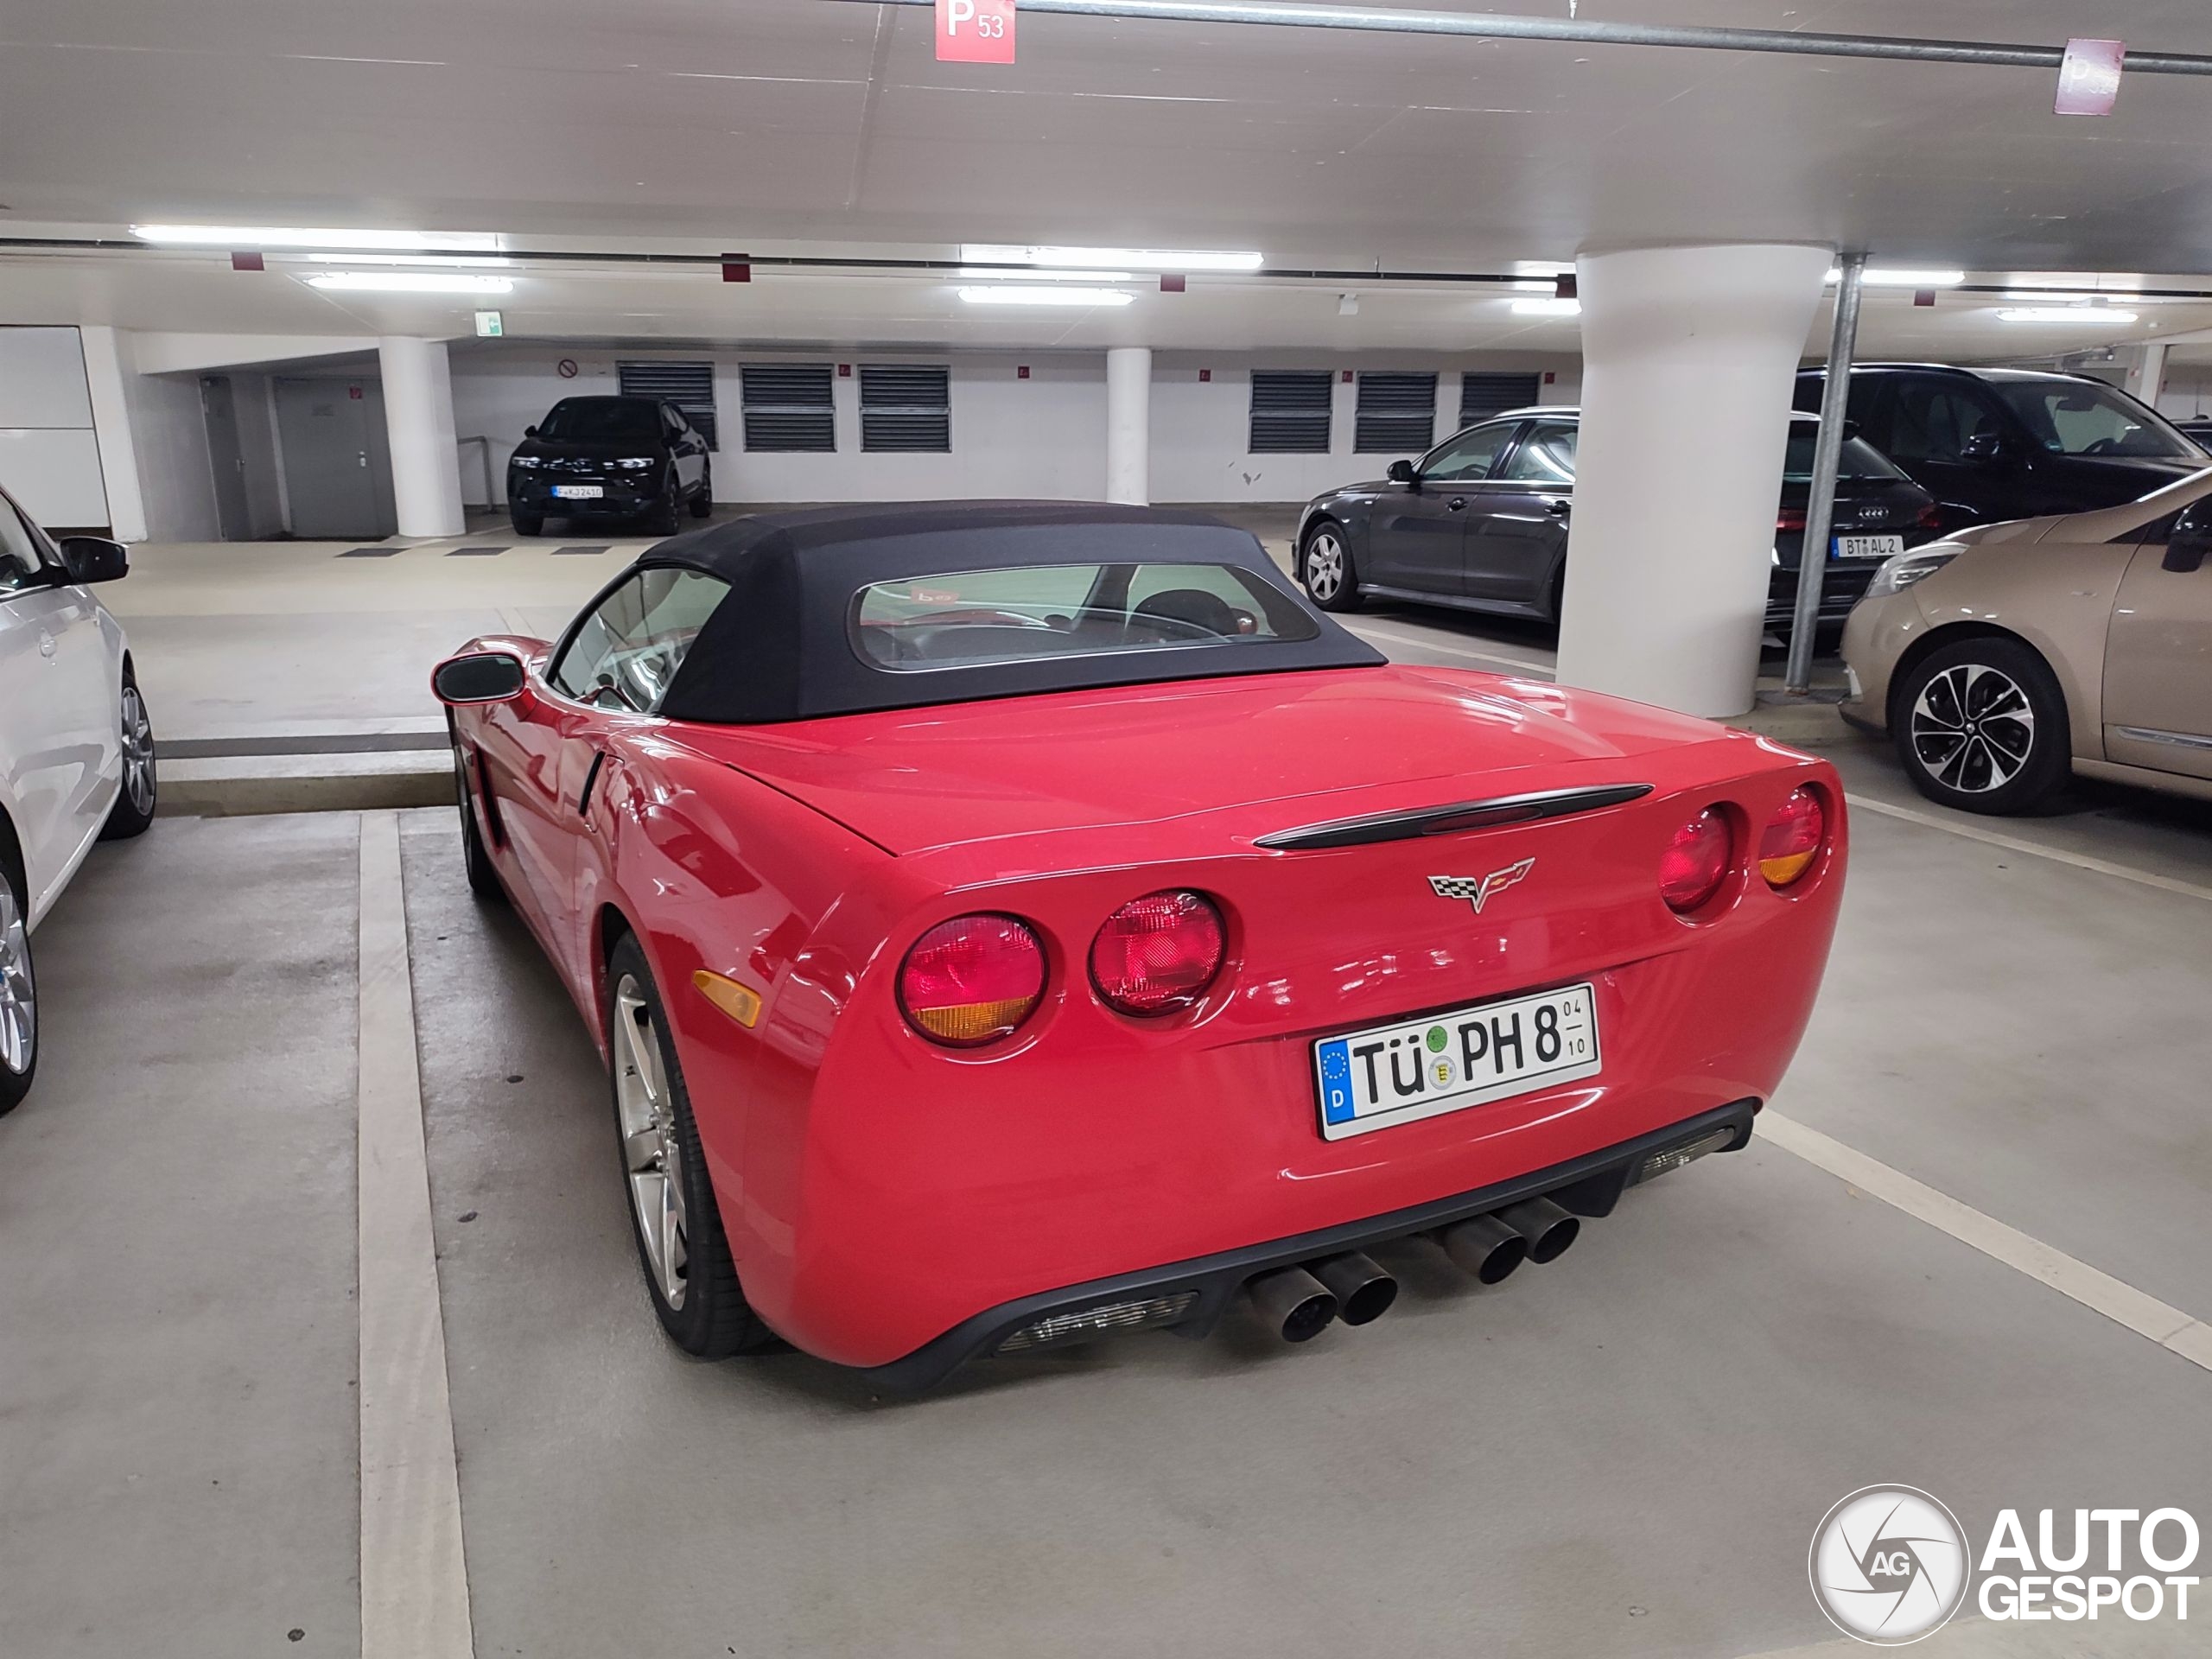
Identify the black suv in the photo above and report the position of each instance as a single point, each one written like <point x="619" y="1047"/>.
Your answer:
<point x="1994" y="444"/>
<point x="609" y="458"/>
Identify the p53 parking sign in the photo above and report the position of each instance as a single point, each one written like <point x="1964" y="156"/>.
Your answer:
<point x="974" y="31"/>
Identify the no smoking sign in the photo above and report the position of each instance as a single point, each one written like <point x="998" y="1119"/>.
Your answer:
<point x="974" y="31"/>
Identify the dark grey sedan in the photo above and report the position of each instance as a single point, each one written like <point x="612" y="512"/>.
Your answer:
<point x="1480" y="523"/>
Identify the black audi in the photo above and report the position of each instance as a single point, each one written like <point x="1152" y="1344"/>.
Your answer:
<point x="1480" y="523"/>
<point x="635" y="458"/>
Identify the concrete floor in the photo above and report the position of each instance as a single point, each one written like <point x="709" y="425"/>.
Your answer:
<point x="1622" y="1452"/>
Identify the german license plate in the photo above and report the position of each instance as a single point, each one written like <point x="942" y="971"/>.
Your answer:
<point x="1389" y="1075"/>
<point x="579" y="492"/>
<point x="1869" y="547"/>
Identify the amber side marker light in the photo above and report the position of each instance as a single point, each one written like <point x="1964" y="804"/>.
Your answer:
<point x="1791" y="840"/>
<point x="972" y="980"/>
<point x="740" y="1002"/>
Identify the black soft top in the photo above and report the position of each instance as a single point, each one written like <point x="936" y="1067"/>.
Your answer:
<point x="779" y="648"/>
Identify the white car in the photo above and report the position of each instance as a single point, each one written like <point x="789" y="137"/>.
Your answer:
<point x="76" y="749"/>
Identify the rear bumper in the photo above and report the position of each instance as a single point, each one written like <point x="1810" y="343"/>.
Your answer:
<point x="1588" y="1185"/>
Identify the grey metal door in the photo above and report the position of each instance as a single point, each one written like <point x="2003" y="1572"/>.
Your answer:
<point x="331" y="433"/>
<point x="225" y="458"/>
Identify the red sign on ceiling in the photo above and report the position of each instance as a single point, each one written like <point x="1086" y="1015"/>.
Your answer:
<point x="974" y="31"/>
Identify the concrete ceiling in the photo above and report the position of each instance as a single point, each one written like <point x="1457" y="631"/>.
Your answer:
<point x="765" y="124"/>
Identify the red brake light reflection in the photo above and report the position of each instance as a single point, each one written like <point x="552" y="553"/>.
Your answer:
<point x="1695" y="862"/>
<point x="1157" y="954"/>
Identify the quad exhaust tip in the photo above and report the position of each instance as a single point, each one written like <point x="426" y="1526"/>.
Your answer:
<point x="1297" y="1303"/>
<point x="1549" y="1229"/>
<point x="1364" y="1290"/>
<point x="1484" y="1247"/>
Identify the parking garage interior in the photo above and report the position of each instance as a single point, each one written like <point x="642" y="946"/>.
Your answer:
<point x="320" y="1327"/>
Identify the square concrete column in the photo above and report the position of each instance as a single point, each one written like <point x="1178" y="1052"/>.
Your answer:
<point x="1128" y="425"/>
<point x="418" y="419"/>
<point x="1690" y="356"/>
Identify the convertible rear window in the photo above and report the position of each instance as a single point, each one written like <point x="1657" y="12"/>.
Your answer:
<point x="970" y="618"/>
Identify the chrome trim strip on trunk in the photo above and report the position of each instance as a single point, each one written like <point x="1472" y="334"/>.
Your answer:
<point x="1449" y="820"/>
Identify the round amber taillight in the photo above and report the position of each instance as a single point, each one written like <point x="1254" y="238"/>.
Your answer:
<point x="1791" y="840"/>
<point x="972" y="980"/>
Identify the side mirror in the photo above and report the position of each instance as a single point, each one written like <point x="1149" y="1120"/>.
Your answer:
<point x="2191" y="540"/>
<point x="485" y="677"/>
<point x="1981" y="448"/>
<point x="1401" y="471"/>
<point x="529" y="431"/>
<point x="93" y="558"/>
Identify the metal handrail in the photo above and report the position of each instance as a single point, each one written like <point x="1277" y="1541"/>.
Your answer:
<point x="491" y="488"/>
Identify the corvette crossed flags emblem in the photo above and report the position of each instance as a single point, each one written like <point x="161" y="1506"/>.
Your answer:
<point x="1479" y="892"/>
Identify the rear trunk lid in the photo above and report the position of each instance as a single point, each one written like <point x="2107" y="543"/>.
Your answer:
<point x="1204" y="766"/>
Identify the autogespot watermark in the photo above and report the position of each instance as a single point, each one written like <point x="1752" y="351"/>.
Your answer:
<point x="1891" y="1564"/>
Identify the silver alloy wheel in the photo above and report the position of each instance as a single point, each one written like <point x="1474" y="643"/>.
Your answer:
<point x="137" y="752"/>
<point x="1973" y="728"/>
<point x="646" y="1111"/>
<point x="1325" y="566"/>
<point x="18" y="996"/>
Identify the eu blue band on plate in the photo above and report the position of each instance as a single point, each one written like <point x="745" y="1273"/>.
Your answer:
<point x="1336" y="1082"/>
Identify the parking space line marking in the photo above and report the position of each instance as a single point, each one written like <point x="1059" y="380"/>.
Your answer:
<point x="2144" y="1314"/>
<point x="2015" y="844"/>
<point x="414" y="1579"/>
<point x="1525" y="665"/>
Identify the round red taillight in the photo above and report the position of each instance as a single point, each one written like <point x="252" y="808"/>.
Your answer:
<point x="1158" y="954"/>
<point x="1791" y="840"/>
<point x="1695" y="862"/>
<point x="972" y="980"/>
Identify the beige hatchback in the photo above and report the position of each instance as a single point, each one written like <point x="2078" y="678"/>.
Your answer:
<point x="2005" y="657"/>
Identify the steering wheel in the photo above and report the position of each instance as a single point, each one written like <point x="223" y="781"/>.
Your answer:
<point x="2103" y="447"/>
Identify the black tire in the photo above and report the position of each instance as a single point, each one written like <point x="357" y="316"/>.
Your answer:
<point x="1555" y="597"/>
<point x="18" y="989"/>
<point x="702" y="504"/>
<point x="526" y="524"/>
<point x="712" y="1320"/>
<point x="1981" y="726"/>
<point x="1316" y="568"/>
<point x="133" y="811"/>
<point x="476" y="859"/>
<point x="666" y="514"/>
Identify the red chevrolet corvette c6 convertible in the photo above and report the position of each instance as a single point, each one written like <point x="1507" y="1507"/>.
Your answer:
<point x="1008" y="923"/>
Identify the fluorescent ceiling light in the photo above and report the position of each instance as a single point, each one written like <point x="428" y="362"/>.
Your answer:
<point x="472" y="261"/>
<point x="2088" y="314"/>
<point x="974" y="274"/>
<point x="283" y="235"/>
<point x="1169" y="259"/>
<point x="1552" y="308"/>
<point x="408" y="282"/>
<point x="1014" y="294"/>
<point x="1883" y="276"/>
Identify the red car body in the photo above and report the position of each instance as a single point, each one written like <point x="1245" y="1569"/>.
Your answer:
<point x="891" y="1203"/>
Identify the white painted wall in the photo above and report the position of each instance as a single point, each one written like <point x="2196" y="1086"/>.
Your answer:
<point x="1042" y="437"/>
<point x="168" y="433"/>
<point x="49" y="453"/>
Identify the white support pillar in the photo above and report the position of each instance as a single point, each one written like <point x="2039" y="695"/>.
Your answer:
<point x="1128" y="425"/>
<point x="418" y="418"/>
<point x="1689" y="360"/>
<point x="107" y="369"/>
<point x="2149" y="374"/>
